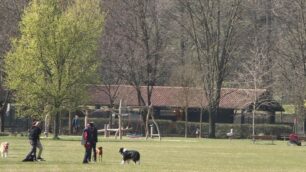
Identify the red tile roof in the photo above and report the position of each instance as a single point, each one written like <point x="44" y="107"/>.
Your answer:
<point x="231" y="98"/>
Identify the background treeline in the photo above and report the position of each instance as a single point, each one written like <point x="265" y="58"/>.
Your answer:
<point x="205" y="43"/>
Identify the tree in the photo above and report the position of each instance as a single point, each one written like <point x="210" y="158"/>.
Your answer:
<point x="56" y="53"/>
<point x="185" y="76"/>
<point x="10" y="13"/>
<point x="112" y="54"/>
<point x="212" y="27"/>
<point x="291" y="48"/>
<point x="143" y="45"/>
<point x="253" y="75"/>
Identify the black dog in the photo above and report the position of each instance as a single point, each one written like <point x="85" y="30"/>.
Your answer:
<point x="128" y="155"/>
<point x="31" y="157"/>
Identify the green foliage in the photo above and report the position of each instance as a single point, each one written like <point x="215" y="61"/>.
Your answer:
<point x="54" y="57"/>
<point x="289" y="109"/>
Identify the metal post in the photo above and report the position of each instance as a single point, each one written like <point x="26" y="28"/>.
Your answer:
<point x="120" y="121"/>
<point x="151" y="130"/>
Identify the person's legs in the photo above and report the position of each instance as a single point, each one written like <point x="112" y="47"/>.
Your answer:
<point x="40" y="147"/>
<point x="87" y="154"/>
<point x="94" y="151"/>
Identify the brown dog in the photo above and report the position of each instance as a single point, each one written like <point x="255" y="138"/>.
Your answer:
<point x="4" y="149"/>
<point x="99" y="152"/>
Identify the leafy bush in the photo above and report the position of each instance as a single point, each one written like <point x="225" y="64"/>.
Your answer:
<point x="4" y="134"/>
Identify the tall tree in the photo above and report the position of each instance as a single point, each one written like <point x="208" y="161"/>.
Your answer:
<point x="144" y="43"/>
<point x="212" y="27"/>
<point x="56" y="53"/>
<point x="112" y="55"/>
<point x="185" y="76"/>
<point x="291" y="48"/>
<point x="10" y="13"/>
<point x="253" y="75"/>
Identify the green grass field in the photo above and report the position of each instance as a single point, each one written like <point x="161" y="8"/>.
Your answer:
<point x="170" y="154"/>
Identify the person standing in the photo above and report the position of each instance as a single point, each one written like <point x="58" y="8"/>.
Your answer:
<point x="86" y="141"/>
<point x="94" y="140"/>
<point x="75" y="124"/>
<point x="33" y="139"/>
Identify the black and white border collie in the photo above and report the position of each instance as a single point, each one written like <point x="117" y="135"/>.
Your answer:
<point x="128" y="155"/>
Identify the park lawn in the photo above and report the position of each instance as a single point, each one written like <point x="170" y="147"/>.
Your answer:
<point x="170" y="154"/>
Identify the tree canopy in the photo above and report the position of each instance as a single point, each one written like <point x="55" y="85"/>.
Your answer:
<point x="55" y="56"/>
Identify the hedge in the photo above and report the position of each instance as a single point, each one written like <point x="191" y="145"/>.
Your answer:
<point x="177" y="128"/>
<point x="4" y="134"/>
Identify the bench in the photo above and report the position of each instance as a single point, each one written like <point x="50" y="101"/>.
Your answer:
<point x="302" y="138"/>
<point x="265" y="137"/>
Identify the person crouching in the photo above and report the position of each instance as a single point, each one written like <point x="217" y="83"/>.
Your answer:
<point x="294" y="139"/>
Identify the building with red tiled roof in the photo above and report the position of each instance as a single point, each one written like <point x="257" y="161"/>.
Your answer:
<point x="168" y="102"/>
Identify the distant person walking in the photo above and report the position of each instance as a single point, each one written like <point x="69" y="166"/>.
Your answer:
<point x="86" y="141"/>
<point x="33" y="139"/>
<point x="94" y="140"/>
<point x="75" y="124"/>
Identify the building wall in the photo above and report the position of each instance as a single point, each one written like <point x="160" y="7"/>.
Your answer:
<point x="224" y="115"/>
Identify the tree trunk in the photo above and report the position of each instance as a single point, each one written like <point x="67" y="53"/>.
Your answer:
<point x="2" y="121"/>
<point x="69" y="123"/>
<point x="47" y="122"/>
<point x="2" y="114"/>
<point x="120" y="121"/>
<point x="147" y="124"/>
<point x="2" y="111"/>
<point x="186" y="122"/>
<point x="201" y="120"/>
<point x="86" y="118"/>
<point x="212" y="122"/>
<point x="110" y="123"/>
<point x="56" y="125"/>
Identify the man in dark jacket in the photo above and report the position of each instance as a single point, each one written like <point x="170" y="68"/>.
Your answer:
<point x="33" y="138"/>
<point x="94" y="139"/>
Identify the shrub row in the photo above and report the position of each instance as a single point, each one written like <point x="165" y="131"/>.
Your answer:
<point x="169" y="128"/>
<point x="4" y="134"/>
<point x="177" y="128"/>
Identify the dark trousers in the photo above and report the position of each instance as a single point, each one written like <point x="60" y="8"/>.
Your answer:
<point x="87" y="153"/>
<point x="32" y="154"/>
<point x="93" y="147"/>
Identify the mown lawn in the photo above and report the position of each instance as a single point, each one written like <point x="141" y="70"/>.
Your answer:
<point x="170" y="154"/>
